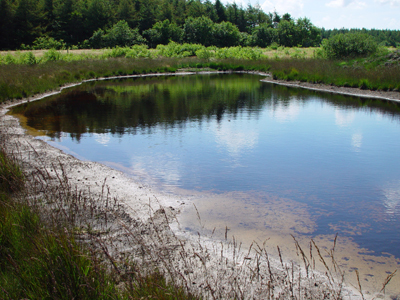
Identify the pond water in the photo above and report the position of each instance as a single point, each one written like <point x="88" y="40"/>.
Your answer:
<point x="332" y="158"/>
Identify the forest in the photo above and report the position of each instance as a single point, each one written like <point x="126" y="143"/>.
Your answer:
<point x="63" y="24"/>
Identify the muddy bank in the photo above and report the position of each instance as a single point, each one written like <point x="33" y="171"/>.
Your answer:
<point x="357" y="92"/>
<point x="154" y="212"/>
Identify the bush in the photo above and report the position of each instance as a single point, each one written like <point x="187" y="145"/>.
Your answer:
<point x="349" y="45"/>
<point x="52" y="55"/>
<point x="46" y="42"/>
<point x="119" y="35"/>
<point x="178" y="50"/>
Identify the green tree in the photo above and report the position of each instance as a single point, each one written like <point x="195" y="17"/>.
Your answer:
<point x="97" y="15"/>
<point x="118" y="35"/>
<point x="307" y="34"/>
<point x="179" y="11"/>
<point x="194" y="9"/>
<point x="63" y="23"/>
<point x="26" y="22"/>
<point x="47" y="16"/>
<point x="255" y="16"/>
<point x="225" y="34"/>
<point x="220" y="9"/>
<point x="349" y="45"/>
<point x="163" y="33"/>
<point x="287" y="33"/>
<point x="7" y="12"/>
<point x="126" y="11"/>
<point x="198" y="31"/>
<point x="264" y="35"/>
<point x="209" y="11"/>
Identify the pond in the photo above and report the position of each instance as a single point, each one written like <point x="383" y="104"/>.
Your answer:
<point x="256" y="156"/>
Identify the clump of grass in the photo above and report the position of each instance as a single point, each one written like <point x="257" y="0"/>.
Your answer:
<point x="11" y="175"/>
<point x="40" y="255"/>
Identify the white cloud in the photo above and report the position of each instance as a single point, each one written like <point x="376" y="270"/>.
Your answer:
<point x="356" y="141"/>
<point x="392" y="198"/>
<point x="238" y="2"/>
<point x="102" y="138"/>
<point x="235" y="139"/>
<point x="344" y="118"/>
<point x="391" y="2"/>
<point x="286" y="113"/>
<point x="345" y="3"/>
<point x="293" y="7"/>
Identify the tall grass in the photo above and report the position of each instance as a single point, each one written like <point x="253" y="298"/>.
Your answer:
<point x="23" y="74"/>
<point x="41" y="257"/>
<point x="338" y="74"/>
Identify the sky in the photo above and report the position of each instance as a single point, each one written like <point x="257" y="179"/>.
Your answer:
<point x="330" y="14"/>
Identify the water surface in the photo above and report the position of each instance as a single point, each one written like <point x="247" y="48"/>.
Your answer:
<point x="333" y="158"/>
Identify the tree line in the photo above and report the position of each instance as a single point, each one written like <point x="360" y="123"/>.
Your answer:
<point x="385" y="37"/>
<point x="92" y="23"/>
<point x="31" y="24"/>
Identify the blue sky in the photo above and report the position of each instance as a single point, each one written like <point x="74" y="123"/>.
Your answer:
<point x="379" y="14"/>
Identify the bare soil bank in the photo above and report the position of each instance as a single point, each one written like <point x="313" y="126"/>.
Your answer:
<point x="144" y="219"/>
<point x="383" y="95"/>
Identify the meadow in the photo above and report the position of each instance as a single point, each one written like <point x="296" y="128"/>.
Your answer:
<point x="26" y="73"/>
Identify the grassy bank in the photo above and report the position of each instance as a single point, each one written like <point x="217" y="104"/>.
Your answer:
<point x="363" y="75"/>
<point x="23" y="74"/>
<point x="40" y="258"/>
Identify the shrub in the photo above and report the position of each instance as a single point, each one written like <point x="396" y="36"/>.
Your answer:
<point x="52" y="55"/>
<point x="349" y="45"/>
<point x="119" y="35"/>
<point x="46" y="42"/>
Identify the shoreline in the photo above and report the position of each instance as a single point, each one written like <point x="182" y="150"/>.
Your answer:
<point x="346" y="91"/>
<point x="92" y="177"/>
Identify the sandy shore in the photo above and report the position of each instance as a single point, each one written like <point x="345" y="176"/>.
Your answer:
<point x="155" y="212"/>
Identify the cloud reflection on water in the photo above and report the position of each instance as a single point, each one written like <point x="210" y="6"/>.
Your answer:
<point x="235" y="138"/>
<point x="344" y="117"/>
<point x="392" y="199"/>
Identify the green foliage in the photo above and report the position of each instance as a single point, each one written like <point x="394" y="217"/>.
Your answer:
<point x="225" y="34"/>
<point x="198" y="31"/>
<point x="384" y="37"/>
<point x="264" y="35"/>
<point x="52" y="55"/>
<point x="349" y="45"/>
<point x="118" y="35"/>
<point x="46" y="42"/>
<point x="239" y="53"/>
<point x="178" y="50"/>
<point x="163" y="32"/>
<point x="136" y="51"/>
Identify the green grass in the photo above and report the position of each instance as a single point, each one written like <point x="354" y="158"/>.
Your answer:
<point x="39" y="260"/>
<point x="23" y="74"/>
<point x="338" y="73"/>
